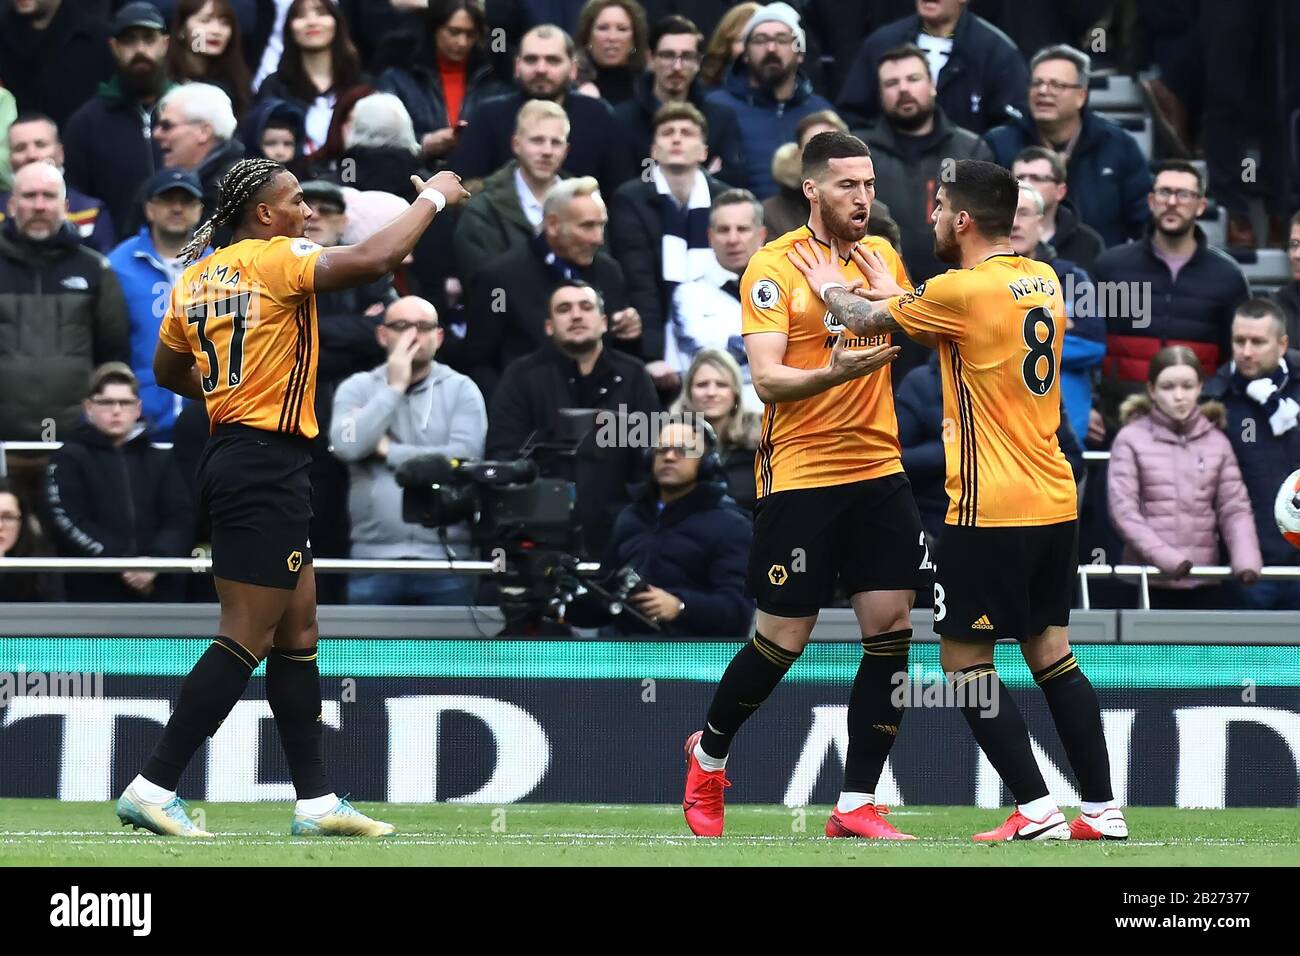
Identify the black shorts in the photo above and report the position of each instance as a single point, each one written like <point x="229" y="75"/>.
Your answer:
<point x="256" y="487"/>
<point x="994" y="583"/>
<point x="864" y="536"/>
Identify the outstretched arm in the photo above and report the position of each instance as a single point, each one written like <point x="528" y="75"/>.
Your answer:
<point x="346" y="267"/>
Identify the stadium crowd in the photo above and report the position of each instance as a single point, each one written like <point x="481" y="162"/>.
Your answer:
<point x="626" y="160"/>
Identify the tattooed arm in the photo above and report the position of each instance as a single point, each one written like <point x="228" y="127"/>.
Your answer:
<point x="860" y="316"/>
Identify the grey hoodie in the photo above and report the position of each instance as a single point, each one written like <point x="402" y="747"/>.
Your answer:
<point x="442" y="414"/>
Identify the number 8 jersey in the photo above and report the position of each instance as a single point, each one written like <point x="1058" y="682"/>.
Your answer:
<point x="1000" y="327"/>
<point x="248" y="314"/>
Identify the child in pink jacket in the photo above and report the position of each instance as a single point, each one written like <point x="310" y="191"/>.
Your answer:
<point x="1175" y="487"/>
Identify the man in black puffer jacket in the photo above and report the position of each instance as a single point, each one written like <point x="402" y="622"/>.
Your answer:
<point x="61" y="311"/>
<point x="688" y="541"/>
<point x="110" y="494"/>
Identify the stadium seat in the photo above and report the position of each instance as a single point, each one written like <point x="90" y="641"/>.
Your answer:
<point x="1114" y="93"/>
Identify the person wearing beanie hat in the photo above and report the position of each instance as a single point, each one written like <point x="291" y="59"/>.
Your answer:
<point x="768" y="90"/>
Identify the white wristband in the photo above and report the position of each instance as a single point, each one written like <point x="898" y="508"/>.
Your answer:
<point x="434" y="196"/>
<point x="826" y="287"/>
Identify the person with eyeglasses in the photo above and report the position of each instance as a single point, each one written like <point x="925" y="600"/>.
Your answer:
<point x="1043" y="169"/>
<point x="106" y="153"/>
<point x="1181" y="291"/>
<point x="21" y="537"/>
<point x="410" y="405"/>
<point x="1106" y="172"/>
<point x="768" y="90"/>
<point x="677" y="52"/>
<point x="195" y="130"/>
<point x="109" y="493"/>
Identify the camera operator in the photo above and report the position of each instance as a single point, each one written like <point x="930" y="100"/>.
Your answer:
<point x="409" y="406"/>
<point x="685" y="539"/>
<point x="574" y="370"/>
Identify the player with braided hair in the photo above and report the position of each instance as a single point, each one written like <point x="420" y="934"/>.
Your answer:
<point x="240" y="335"/>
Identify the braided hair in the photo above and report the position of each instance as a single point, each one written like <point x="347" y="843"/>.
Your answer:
<point x="240" y="184"/>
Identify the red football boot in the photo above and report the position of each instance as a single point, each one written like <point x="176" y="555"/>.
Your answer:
<point x="703" y="802"/>
<point x="1107" y="825"/>
<point x="1020" y="827"/>
<point x="866" y="821"/>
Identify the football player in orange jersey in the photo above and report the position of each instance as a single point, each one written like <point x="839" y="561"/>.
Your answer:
<point x="1008" y="557"/>
<point x="240" y="335"/>
<point x="834" y="505"/>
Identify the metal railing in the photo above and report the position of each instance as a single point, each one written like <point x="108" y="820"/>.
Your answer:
<point x="203" y="565"/>
<point x="1144" y="574"/>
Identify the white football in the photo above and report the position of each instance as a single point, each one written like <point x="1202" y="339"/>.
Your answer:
<point x="1286" y="510"/>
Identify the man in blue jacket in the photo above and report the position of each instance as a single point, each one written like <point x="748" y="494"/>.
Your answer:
<point x="980" y="74"/>
<point x="768" y="91"/>
<point x="688" y="541"/>
<point x="147" y="267"/>
<point x="1108" y="176"/>
<point x="1260" y="388"/>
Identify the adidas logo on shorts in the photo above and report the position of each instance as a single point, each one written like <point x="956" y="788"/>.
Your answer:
<point x="983" y="624"/>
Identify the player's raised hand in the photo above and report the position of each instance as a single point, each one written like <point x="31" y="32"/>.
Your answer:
<point x="847" y="364"/>
<point x="446" y="182"/>
<point x="881" y="283"/>
<point x="818" y="268"/>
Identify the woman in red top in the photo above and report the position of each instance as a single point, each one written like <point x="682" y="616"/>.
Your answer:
<point x="447" y="76"/>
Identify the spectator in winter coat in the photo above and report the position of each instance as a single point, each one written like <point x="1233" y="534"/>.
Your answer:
<point x="1108" y="175"/>
<point x="1260" y="388"/>
<point x="910" y="143"/>
<point x="147" y="266"/>
<point x="507" y="211"/>
<point x="544" y="70"/>
<point x="1171" y="287"/>
<point x="109" y="152"/>
<point x="1072" y="239"/>
<point x="673" y="78"/>
<point x="33" y="138"/>
<point x="111" y="494"/>
<point x="979" y="73"/>
<point x="612" y="37"/>
<point x="61" y="310"/>
<point x="508" y="306"/>
<point x="687" y="540"/>
<point x="659" y="227"/>
<point x="575" y="369"/>
<point x="52" y="55"/>
<point x="1175" y="488"/>
<point x="448" y="75"/>
<point x="20" y="537"/>
<point x="768" y="91"/>
<point x="318" y="64"/>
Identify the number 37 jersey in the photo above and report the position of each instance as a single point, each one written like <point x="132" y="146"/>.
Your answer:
<point x="248" y="314"/>
<point x="1000" y="327"/>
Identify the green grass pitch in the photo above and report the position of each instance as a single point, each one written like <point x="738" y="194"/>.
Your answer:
<point x="50" y="833"/>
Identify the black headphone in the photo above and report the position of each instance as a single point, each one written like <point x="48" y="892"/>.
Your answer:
<point x="710" y="462"/>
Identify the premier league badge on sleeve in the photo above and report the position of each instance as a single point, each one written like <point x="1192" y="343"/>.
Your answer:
<point x="765" y="293"/>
